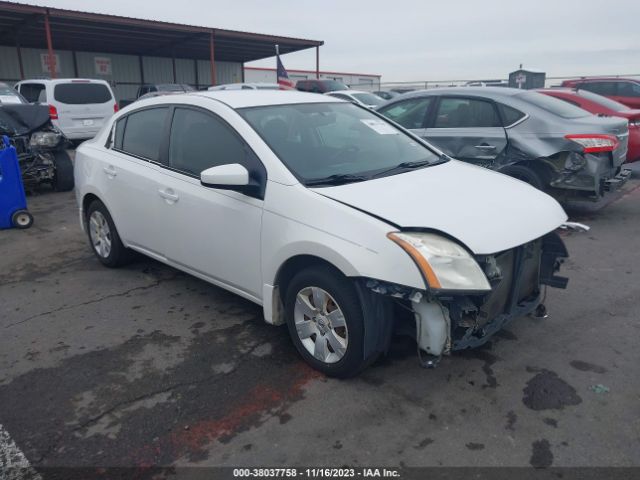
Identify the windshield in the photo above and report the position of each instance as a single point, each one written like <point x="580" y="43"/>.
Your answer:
<point x="552" y="104"/>
<point x="368" y="98"/>
<point x="320" y="140"/>
<point x="9" y="95"/>
<point x="604" y="101"/>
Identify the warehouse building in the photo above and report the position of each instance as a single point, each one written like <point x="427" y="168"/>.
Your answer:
<point x="39" y="42"/>
<point x="362" y="81"/>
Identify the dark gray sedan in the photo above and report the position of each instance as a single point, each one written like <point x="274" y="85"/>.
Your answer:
<point x="548" y="143"/>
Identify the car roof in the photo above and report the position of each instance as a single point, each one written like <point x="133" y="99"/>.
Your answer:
<point x="64" y="80"/>
<point x="260" y="98"/>
<point x="499" y="92"/>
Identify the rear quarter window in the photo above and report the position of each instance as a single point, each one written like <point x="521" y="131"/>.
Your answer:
<point x="510" y="115"/>
<point x="82" y="93"/>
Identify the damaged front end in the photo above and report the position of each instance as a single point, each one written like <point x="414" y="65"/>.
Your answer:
<point x="35" y="139"/>
<point x="447" y="321"/>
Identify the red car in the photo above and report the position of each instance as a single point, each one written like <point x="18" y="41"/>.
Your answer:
<point x="623" y="90"/>
<point x="599" y="105"/>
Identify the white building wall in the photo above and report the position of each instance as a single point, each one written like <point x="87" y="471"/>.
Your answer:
<point x="357" y="81"/>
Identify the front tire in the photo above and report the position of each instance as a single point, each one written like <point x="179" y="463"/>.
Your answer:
<point x="63" y="177"/>
<point x="104" y="238"/>
<point x="325" y="321"/>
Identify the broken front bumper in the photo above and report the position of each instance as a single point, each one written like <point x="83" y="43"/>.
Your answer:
<point x="517" y="278"/>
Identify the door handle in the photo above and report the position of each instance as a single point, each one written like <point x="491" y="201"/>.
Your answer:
<point x="485" y="147"/>
<point x="110" y="171"/>
<point x="169" y="195"/>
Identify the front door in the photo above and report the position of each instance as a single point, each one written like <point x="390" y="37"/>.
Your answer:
<point x="213" y="233"/>
<point x="468" y="129"/>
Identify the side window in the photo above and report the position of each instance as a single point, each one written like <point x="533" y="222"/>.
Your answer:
<point x="466" y="113"/>
<point x="511" y="115"/>
<point x="608" y="89"/>
<point x="199" y="141"/>
<point x="34" y="92"/>
<point x="119" y="133"/>
<point x="409" y="113"/>
<point x="143" y="133"/>
<point x="628" y="89"/>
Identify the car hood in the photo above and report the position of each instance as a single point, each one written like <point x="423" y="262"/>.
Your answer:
<point x="23" y="118"/>
<point x="487" y="211"/>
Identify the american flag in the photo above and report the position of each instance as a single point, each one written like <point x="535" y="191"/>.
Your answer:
<point x="283" y="78"/>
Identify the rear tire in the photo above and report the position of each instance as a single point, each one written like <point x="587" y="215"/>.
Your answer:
<point x="329" y="336"/>
<point x="104" y="238"/>
<point x="63" y="176"/>
<point x="21" y="219"/>
<point x="527" y="175"/>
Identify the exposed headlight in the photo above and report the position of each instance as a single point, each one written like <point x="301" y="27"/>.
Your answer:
<point x="45" y="139"/>
<point x="444" y="264"/>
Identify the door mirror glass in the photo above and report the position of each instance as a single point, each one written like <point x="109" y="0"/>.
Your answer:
<point x="229" y="175"/>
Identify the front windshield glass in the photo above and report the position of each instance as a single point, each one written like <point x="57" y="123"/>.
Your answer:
<point x="320" y="140"/>
<point x="368" y="98"/>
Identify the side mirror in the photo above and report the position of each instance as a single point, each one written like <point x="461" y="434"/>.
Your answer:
<point x="226" y="177"/>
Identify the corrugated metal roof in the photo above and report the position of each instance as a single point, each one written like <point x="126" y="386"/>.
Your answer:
<point x="93" y="32"/>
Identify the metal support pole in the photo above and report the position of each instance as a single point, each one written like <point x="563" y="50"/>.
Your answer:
<point x="75" y="64"/>
<point x="141" y="66"/>
<point x="212" y="55"/>
<point x="318" y="61"/>
<point x="195" y="72"/>
<point x="20" y="64"/>
<point x="52" y="59"/>
<point x="173" y="65"/>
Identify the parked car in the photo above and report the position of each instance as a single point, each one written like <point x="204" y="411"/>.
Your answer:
<point x="603" y="106"/>
<point x="320" y="86"/>
<point x="163" y="87"/>
<point x="366" y="99"/>
<point x="320" y="211"/>
<point x="387" y="94"/>
<point x="554" y="146"/>
<point x="77" y="107"/>
<point x="623" y="90"/>
<point x="246" y="86"/>
<point x="40" y="146"/>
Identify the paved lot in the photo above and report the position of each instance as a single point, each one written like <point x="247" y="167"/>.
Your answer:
<point x="148" y="366"/>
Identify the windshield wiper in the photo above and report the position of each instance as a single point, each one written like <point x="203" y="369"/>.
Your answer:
<point x="403" y="167"/>
<point x="337" y="179"/>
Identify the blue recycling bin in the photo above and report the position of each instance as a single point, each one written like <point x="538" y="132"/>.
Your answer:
<point x="13" y="202"/>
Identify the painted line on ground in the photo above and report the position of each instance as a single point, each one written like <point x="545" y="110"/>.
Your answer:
<point x="13" y="463"/>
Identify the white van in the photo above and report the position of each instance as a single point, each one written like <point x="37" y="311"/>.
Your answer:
<point x="78" y="107"/>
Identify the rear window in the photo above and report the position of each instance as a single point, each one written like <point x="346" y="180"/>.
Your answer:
<point x="604" y="101"/>
<point x="333" y="85"/>
<point x="552" y="105"/>
<point x="81" y="93"/>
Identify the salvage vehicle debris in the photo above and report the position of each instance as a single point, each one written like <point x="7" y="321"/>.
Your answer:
<point x="340" y="224"/>
<point x="550" y="144"/>
<point x="40" y="146"/>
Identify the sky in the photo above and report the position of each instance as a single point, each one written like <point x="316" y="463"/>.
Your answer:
<point x="413" y="40"/>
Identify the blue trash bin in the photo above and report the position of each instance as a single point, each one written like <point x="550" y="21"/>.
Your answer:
<point x="13" y="202"/>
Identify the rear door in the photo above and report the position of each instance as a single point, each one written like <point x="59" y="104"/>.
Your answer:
<point x="83" y="107"/>
<point x="130" y="174"/>
<point x="467" y="128"/>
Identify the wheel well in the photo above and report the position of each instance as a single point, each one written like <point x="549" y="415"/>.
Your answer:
<point x="293" y="265"/>
<point x="538" y="166"/>
<point x="86" y="201"/>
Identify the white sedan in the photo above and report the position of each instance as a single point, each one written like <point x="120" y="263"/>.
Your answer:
<point x="335" y="220"/>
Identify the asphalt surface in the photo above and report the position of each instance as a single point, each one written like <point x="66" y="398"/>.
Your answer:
<point x="145" y="366"/>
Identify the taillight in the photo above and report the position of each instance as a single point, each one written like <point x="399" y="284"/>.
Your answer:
<point x="115" y="108"/>
<point x="593" y="143"/>
<point x="53" y="112"/>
